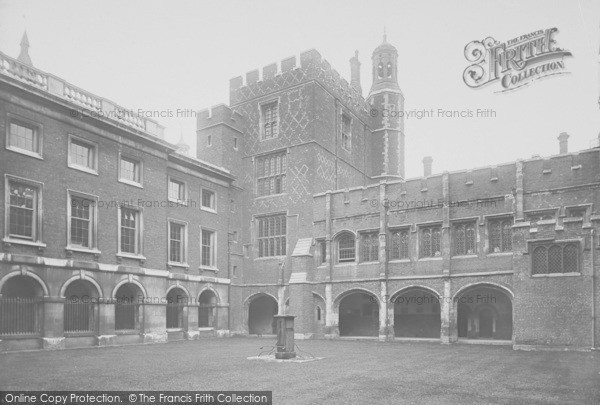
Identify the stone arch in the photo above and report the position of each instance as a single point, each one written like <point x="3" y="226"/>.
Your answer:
<point x="358" y="312"/>
<point x="208" y="302"/>
<point x="81" y="276"/>
<point x="484" y="310"/>
<point x="417" y="312"/>
<point x="127" y="281"/>
<point x="211" y="289"/>
<point x="261" y="309"/>
<point x="23" y="271"/>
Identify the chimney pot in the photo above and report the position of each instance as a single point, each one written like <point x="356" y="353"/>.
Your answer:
<point x="427" y="163"/>
<point x="563" y="142"/>
<point x="355" y="73"/>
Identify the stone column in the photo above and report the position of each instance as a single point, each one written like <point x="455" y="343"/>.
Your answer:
<point x="154" y="327"/>
<point x="190" y="317"/>
<point x="53" y="336"/>
<point x="332" y="317"/>
<point x="221" y="320"/>
<point x="449" y="331"/>
<point x="106" y="324"/>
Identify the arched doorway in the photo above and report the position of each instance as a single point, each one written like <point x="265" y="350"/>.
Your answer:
<point x="177" y="300"/>
<point x="20" y="306"/>
<point x="207" y="310"/>
<point x="417" y="314"/>
<point x="484" y="312"/>
<point x="359" y="315"/>
<point x="261" y="312"/>
<point x="81" y="307"/>
<point x="127" y="308"/>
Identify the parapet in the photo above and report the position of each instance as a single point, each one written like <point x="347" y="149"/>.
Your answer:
<point x="218" y="114"/>
<point x="288" y="72"/>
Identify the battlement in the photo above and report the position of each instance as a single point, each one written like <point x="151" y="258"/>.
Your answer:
<point x="218" y="114"/>
<point x="576" y="168"/>
<point x="288" y="72"/>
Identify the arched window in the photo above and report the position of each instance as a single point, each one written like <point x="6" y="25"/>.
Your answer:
<point x="318" y="314"/>
<point x="380" y="71"/>
<point x="400" y="241"/>
<point x="389" y="70"/>
<point x="346" y="248"/>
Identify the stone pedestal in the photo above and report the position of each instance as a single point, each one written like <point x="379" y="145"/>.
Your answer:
<point x="285" y="337"/>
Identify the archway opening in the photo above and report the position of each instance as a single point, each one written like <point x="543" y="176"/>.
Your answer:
<point x="484" y="312"/>
<point x="81" y="307"/>
<point x="207" y="310"/>
<point x="359" y="315"/>
<point x="417" y="314"/>
<point x="20" y="307"/>
<point x="261" y="314"/>
<point x="127" y="308"/>
<point x="177" y="299"/>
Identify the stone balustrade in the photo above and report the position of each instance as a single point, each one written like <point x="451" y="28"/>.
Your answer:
<point x="91" y="105"/>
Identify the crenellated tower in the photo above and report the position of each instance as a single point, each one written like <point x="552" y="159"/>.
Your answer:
<point x="387" y="104"/>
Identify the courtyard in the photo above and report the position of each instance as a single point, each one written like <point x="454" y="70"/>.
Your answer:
<point x="352" y="372"/>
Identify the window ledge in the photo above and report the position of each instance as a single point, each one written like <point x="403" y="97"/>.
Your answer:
<point x="470" y="256"/>
<point x="131" y="183"/>
<point x="498" y="254"/>
<point x="208" y="209"/>
<point x="572" y="219"/>
<point x="428" y="259"/>
<point x="345" y="264"/>
<point x="371" y="262"/>
<point x="23" y="242"/>
<point x="174" y="329"/>
<point x="127" y="332"/>
<point x="25" y="152"/>
<point x="83" y="250"/>
<point x="269" y="196"/>
<point x="177" y="264"/>
<point x="270" y="258"/>
<point x="131" y="256"/>
<point x="177" y="201"/>
<point x="208" y="268"/>
<point x="83" y="169"/>
<point x="555" y="275"/>
<point x="400" y="261"/>
<point x="205" y="328"/>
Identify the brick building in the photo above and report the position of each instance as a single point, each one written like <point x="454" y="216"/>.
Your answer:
<point x="296" y="203"/>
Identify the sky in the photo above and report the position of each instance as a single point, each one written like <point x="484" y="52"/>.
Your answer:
<point x="170" y="55"/>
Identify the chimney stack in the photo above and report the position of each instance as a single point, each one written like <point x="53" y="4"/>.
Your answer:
<point x="427" y="162"/>
<point x="355" y="73"/>
<point x="563" y="142"/>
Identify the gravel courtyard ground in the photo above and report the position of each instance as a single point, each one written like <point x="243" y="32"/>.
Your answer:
<point x="352" y="372"/>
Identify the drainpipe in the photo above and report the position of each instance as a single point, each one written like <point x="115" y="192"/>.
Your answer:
<point x="593" y="293"/>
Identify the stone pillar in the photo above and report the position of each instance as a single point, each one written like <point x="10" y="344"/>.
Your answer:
<point x="519" y="215"/>
<point x="300" y="293"/>
<point x="154" y="329"/>
<point x="106" y="324"/>
<point x="384" y="323"/>
<point x="332" y="317"/>
<point x="221" y="321"/>
<point x="446" y="253"/>
<point x="190" y="321"/>
<point x="449" y="331"/>
<point x="53" y="336"/>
